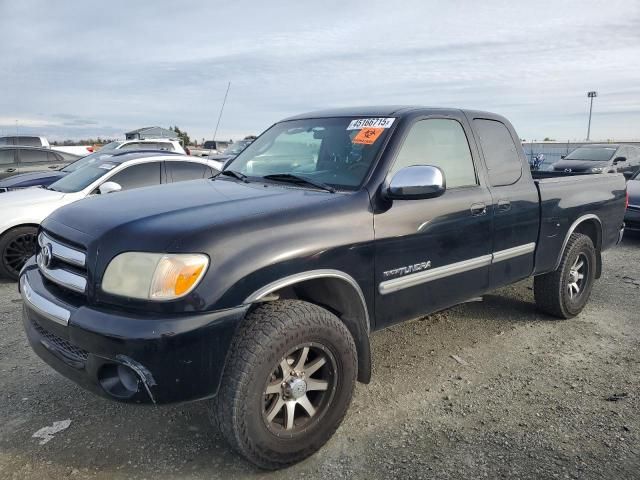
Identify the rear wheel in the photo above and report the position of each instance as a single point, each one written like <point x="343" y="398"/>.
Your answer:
<point x="16" y="247"/>
<point x="287" y="383"/>
<point x="564" y="292"/>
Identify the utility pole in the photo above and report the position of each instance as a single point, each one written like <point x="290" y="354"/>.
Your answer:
<point x="591" y="95"/>
<point x="221" y="109"/>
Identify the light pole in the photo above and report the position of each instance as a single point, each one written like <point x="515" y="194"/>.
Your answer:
<point x="591" y="95"/>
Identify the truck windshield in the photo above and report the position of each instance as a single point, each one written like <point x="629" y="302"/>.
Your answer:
<point x="596" y="154"/>
<point x="332" y="151"/>
<point x="82" y="177"/>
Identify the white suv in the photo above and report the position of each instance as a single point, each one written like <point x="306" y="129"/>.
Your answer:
<point x="148" y="144"/>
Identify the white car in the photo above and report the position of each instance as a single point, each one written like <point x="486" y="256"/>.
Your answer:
<point x="23" y="210"/>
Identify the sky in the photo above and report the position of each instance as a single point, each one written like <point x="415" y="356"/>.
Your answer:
<point x="83" y="68"/>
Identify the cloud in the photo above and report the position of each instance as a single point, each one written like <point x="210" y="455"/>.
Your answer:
<point x="122" y="66"/>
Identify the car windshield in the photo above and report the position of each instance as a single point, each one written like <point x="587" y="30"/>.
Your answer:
<point x="333" y="151"/>
<point x="110" y="146"/>
<point x="596" y="154"/>
<point x="236" y="148"/>
<point x="636" y="176"/>
<point x="81" y="178"/>
<point x="89" y="159"/>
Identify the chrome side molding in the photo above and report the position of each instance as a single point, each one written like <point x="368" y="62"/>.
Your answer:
<point x="43" y="306"/>
<point x="390" y="286"/>
<point x="510" y="253"/>
<point x="393" y="285"/>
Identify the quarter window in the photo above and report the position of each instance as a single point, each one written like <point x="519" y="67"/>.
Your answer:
<point x="500" y="152"/>
<point x="181" y="171"/>
<point x="442" y="143"/>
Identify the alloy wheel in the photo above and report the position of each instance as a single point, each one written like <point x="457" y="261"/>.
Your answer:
<point x="299" y="389"/>
<point x="19" y="251"/>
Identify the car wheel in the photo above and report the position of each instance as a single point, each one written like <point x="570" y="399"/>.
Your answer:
<point x="16" y="247"/>
<point x="564" y="292"/>
<point x="287" y="383"/>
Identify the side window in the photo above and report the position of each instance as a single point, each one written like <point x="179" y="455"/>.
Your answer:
<point x="32" y="156"/>
<point x="7" y="156"/>
<point x="181" y="171"/>
<point x="441" y="143"/>
<point x="29" y="141"/>
<point x="500" y="152"/>
<point x="135" y="176"/>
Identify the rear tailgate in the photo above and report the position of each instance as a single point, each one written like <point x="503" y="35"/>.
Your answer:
<point x="565" y="200"/>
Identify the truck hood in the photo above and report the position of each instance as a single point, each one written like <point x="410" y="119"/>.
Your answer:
<point x="167" y="213"/>
<point x="31" y="179"/>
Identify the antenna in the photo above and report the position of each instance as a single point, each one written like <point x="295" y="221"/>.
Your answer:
<point x="221" y="109"/>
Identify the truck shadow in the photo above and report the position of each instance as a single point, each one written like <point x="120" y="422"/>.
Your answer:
<point x="117" y="440"/>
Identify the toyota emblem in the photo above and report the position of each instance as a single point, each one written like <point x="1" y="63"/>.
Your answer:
<point x="45" y="256"/>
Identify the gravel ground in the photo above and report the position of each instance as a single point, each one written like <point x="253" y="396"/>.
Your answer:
<point x="529" y="400"/>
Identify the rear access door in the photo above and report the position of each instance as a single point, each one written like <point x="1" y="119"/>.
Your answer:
<point x="514" y="200"/>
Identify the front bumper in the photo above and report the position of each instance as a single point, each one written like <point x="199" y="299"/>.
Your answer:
<point x="168" y="359"/>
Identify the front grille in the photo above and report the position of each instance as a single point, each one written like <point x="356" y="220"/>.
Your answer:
<point x="62" y="264"/>
<point x="69" y="350"/>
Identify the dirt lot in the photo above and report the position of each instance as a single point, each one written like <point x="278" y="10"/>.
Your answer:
<point x="530" y="401"/>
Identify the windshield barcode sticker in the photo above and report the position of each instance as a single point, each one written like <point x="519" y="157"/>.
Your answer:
<point x="370" y="122"/>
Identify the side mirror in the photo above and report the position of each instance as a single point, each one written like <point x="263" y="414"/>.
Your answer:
<point x="619" y="159"/>
<point x="109" y="187"/>
<point x="416" y="182"/>
<point x="562" y="156"/>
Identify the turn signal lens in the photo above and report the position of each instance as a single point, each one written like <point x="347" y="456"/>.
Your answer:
<point x="176" y="276"/>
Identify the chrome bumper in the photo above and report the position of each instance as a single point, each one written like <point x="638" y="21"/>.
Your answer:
<point x="41" y="305"/>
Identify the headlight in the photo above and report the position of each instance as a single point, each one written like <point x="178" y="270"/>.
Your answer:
<point x="597" y="169"/>
<point x="154" y="276"/>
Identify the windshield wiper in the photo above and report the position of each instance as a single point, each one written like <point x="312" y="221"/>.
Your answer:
<point x="291" y="178"/>
<point x="232" y="173"/>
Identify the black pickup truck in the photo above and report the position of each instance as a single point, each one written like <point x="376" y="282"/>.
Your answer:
<point x="258" y="289"/>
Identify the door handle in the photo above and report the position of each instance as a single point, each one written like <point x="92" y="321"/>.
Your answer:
<point x="478" y="209"/>
<point x="504" y="205"/>
<point x="53" y="166"/>
<point x="10" y="170"/>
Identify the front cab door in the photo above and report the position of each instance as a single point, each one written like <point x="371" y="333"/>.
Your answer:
<point x="434" y="253"/>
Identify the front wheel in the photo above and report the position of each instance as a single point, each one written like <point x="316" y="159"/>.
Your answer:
<point x="16" y="247"/>
<point x="564" y="292"/>
<point x="287" y="383"/>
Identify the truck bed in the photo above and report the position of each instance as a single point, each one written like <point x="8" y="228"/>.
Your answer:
<point x="566" y="198"/>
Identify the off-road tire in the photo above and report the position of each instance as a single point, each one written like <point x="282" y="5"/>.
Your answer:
<point x="9" y="238"/>
<point x="266" y="335"/>
<point x="551" y="289"/>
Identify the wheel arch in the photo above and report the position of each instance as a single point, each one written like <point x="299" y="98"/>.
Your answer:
<point x="334" y="290"/>
<point x="591" y="226"/>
